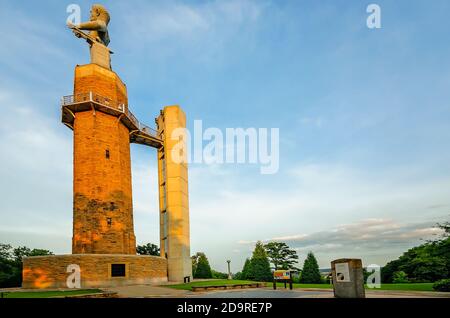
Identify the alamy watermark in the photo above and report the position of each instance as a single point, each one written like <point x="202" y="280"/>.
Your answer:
<point x="74" y="11"/>
<point x="374" y="279"/>
<point x="374" y="19"/>
<point x="232" y="146"/>
<point x="74" y="278"/>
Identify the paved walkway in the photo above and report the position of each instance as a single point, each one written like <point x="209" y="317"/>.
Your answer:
<point x="264" y="293"/>
<point x="311" y="293"/>
<point x="148" y="291"/>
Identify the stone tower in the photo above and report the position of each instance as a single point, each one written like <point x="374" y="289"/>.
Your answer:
<point x="173" y="194"/>
<point x="103" y="242"/>
<point x="102" y="203"/>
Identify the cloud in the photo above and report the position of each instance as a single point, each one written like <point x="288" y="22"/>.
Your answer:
<point x="369" y="231"/>
<point x="145" y="196"/>
<point x="364" y="239"/>
<point x="204" y="32"/>
<point x="36" y="170"/>
<point x="180" y="21"/>
<point x="315" y="122"/>
<point x="33" y="33"/>
<point x="157" y="22"/>
<point x="290" y="237"/>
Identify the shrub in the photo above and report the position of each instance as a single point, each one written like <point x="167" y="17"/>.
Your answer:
<point x="219" y="275"/>
<point x="400" y="277"/>
<point x="442" y="285"/>
<point x="238" y="276"/>
<point x="326" y="280"/>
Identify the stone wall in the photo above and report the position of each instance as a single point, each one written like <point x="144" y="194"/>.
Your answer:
<point x="51" y="271"/>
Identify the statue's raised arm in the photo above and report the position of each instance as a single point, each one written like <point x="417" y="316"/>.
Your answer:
<point x="98" y="24"/>
<point x="98" y="37"/>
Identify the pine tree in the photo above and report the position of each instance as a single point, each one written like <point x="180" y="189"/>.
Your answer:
<point x="260" y="266"/>
<point x="310" y="273"/>
<point x="247" y="272"/>
<point x="203" y="270"/>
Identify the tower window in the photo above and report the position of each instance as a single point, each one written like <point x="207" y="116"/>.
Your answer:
<point x="107" y="154"/>
<point x="118" y="270"/>
<point x="109" y="221"/>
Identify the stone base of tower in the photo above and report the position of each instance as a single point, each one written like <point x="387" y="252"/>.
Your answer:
<point x="96" y="270"/>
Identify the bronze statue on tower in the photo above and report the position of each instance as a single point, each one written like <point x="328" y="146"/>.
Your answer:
<point x="98" y="37"/>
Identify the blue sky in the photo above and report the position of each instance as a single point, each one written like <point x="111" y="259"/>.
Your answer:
<point x="363" y="116"/>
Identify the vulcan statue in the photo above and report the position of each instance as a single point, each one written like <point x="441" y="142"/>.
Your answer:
<point x="98" y="37"/>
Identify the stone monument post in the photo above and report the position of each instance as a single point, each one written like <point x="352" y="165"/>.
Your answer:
<point x="348" y="278"/>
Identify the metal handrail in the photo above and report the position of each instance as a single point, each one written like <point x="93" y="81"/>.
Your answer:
<point x="109" y="103"/>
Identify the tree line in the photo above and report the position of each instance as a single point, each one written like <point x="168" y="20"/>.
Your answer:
<point x="258" y="266"/>
<point x="429" y="262"/>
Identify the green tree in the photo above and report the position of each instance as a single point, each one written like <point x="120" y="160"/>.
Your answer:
<point x="148" y="249"/>
<point x="195" y="261"/>
<point x="428" y="262"/>
<point x="202" y="270"/>
<point x="194" y="264"/>
<point x="5" y="251"/>
<point x="9" y="270"/>
<point x="446" y="227"/>
<point x="22" y="251"/>
<point x="400" y="277"/>
<point x="310" y="273"/>
<point x="247" y="271"/>
<point x="280" y="255"/>
<point x="219" y="275"/>
<point x="238" y="276"/>
<point x="260" y="265"/>
<point x="387" y="271"/>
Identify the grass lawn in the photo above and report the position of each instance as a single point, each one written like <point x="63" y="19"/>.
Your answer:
<point x="52" y="293"/>
<point x="407" y="286"/>
<point x="216" y="282"/>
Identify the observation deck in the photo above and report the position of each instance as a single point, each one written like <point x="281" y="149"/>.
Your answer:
<point x="139" y="133"/>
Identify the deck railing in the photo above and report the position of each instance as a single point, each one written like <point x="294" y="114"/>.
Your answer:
<point x="109" y="103"/>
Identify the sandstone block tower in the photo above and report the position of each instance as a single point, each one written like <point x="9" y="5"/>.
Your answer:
<point x="103" y="241"/>
<point x="103" y="209"/>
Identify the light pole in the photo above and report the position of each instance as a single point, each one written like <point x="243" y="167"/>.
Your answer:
<point x="229" y="272"/>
